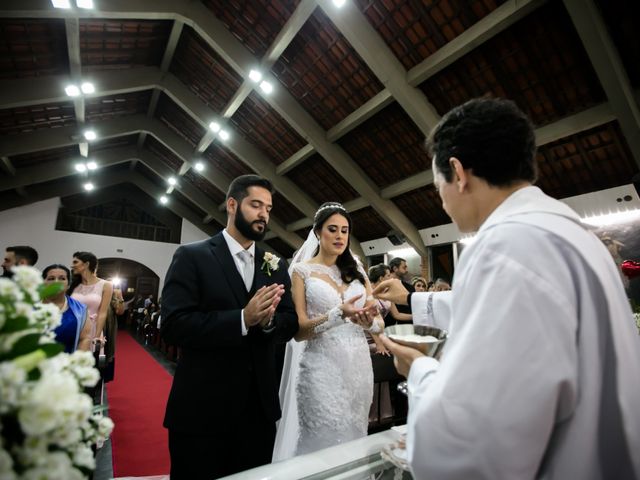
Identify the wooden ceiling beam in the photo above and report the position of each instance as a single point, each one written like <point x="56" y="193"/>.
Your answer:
<point x="608" y="66"/>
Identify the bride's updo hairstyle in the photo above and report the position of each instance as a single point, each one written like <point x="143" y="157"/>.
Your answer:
<point x="345" y="261"/>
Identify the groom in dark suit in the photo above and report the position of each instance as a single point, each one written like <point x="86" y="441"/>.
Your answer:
<point x="226" y="307"/>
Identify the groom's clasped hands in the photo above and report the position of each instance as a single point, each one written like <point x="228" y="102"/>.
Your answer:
<point x="263" y="304"/>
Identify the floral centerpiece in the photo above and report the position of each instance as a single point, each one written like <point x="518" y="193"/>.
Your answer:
<point x="47" y="423"/>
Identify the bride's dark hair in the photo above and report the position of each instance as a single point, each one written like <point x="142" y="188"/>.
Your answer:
<point x="345" y="261"/>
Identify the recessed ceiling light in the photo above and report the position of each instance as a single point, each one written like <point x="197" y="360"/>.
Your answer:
<point x="81" y="167"/>
<point x="164" y="200"/>
<point x="87" y="87"/>
<point x="224" y="135"/>
<point x="90" y="135"/>
<point x="88" y="186"/>
<point x="72" y="90"/>
<point x="255" y="76"/>
<point x="84" y="3"/>
<point x="61" y="3"/>
<point x="214" y="127"/>
<point x="339" y="3"/>
<point x="92" y="165"/>
<point x="172" y="181"/>
<point x="199" y="166"/>
<point x="266" y="87"/>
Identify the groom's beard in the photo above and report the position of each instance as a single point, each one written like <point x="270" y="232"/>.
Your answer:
<point x="246" y="228"/>
<point x="7" y="273"/>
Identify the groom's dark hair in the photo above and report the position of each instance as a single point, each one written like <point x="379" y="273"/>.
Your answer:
<point x="239" y="187"/>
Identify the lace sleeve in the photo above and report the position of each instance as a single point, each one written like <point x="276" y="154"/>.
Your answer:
<point x="300" y="269"/>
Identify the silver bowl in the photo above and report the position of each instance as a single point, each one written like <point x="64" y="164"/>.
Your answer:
<point x="429" y="348"/>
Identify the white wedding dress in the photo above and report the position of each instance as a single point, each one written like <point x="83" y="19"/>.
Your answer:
<point x="334" y="384"/>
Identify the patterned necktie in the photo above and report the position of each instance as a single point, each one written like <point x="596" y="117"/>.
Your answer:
<point x="245" y="260"/>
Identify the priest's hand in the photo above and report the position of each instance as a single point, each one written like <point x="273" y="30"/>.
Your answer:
<point x="403" y="356"/>
<point x="263" y="304"/>
<point x="391" y="290"/>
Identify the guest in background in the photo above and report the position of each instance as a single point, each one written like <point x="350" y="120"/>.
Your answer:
<point x="19" y="255"/>
<point x="74" y="332"/>
<point x="399" y="270"/>
<point x="441" y="285"/>
<point x="388" y="310"/>
<point x="419" y="284"/>
<point x="94" y="292"/>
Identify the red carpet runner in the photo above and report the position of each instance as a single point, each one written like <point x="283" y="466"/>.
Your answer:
<point x="137" y="398"/>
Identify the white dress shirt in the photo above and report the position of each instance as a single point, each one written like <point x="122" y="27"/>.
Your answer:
<point x="539" y="377"/>
<point x="235" y="248"/>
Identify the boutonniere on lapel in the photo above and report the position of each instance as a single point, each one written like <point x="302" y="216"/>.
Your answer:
<point x="270" y="263"/>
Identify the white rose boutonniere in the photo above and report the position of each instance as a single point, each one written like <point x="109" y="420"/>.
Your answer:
<point x="270" y="263"/>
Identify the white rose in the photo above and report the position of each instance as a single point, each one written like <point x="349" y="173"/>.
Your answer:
<point x="82" y="359"/>
<point x="12" y="381"/>
<point x="105" y="427"/>
<point x="6" y="466"/>
<point x="54" y="466"/>
<point x="83" y="457"/>
<point x="10" y="291"/>
<point x="29" y="279"/>
<point x="87" y="377"/>
<point x="48" y="315"/>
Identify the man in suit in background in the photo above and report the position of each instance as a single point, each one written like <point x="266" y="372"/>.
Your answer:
<point x="16" y="256"/>
<point x="226" y="307"/>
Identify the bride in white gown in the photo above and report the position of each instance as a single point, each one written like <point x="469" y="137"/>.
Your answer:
<point x="327" y="384"/>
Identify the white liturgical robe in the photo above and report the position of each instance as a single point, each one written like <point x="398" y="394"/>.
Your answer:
<point x="540" y="376"/>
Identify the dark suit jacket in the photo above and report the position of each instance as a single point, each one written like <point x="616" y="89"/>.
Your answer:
<point x="220" y="372"/>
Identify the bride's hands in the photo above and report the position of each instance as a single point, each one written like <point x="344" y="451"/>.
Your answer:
<point x="349" y="309"/>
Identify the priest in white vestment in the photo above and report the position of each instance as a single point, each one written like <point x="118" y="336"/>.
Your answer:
<point x="540" y="376"/>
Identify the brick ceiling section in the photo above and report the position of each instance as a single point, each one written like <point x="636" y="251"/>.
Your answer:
<point x="36" y="117"/>
<point x="113" y="44"/>
<point x="368" y="225"/>
<point x="115" y="106"/>
<point x="203" y="71"/>
<point x="261" y="125"/>
<point x="69" y="152"/>
<point x="202" y="184"/>
<point x="414" y="30"/>
<point x="166" y="155"/>
<point x="422" y="207"/>
<point x="255" y="24"/>
<point x="593" y="160"/>
<point x="284" y="210"/>
<point x="33" y="48"/>
<point x="321" y="181"/>
<point x="281" y="247"/>
<point x="388" y="146"/>
<point x="178" y="120"/>
<point x="324" y="73"/>
<point x="225" y="161"/>
<point x="115" y="142"/>
<point x="539" y="62"/>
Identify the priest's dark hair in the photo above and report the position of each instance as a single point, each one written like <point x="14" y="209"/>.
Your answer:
<point x="345" y="262"/>
<point x="490" y="136"/>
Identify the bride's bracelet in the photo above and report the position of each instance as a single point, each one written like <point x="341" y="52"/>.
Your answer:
<point x="333" y="318"/>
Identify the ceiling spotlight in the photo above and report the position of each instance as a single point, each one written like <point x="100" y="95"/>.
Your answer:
<point x="88" y="186"/>
<point x="214" y="127"/>
<point x="87" y="88"/>
<point x="224" y="135"/>
<point x="72" y="90"/>
<point x="90" y="135"/>
<point x="266" y="87"/>
<point x="339" y="3"/>
<point x="172" y="181"/>
<point x="84" y="4"/>
<point x="255" y="76"/>
<point x="61" y="3"/>
<point x="199" y="166"/>
<point x="92" y="165"/>
<point x="164" y="200"/>
<point x="81" y="167"/>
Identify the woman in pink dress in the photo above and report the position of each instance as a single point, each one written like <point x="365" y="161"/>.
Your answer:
<point x="94" y="292"/>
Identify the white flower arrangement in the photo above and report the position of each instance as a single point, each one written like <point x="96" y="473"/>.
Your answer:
<point x="47" y="423"/>
<point x="270" y="263"/>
